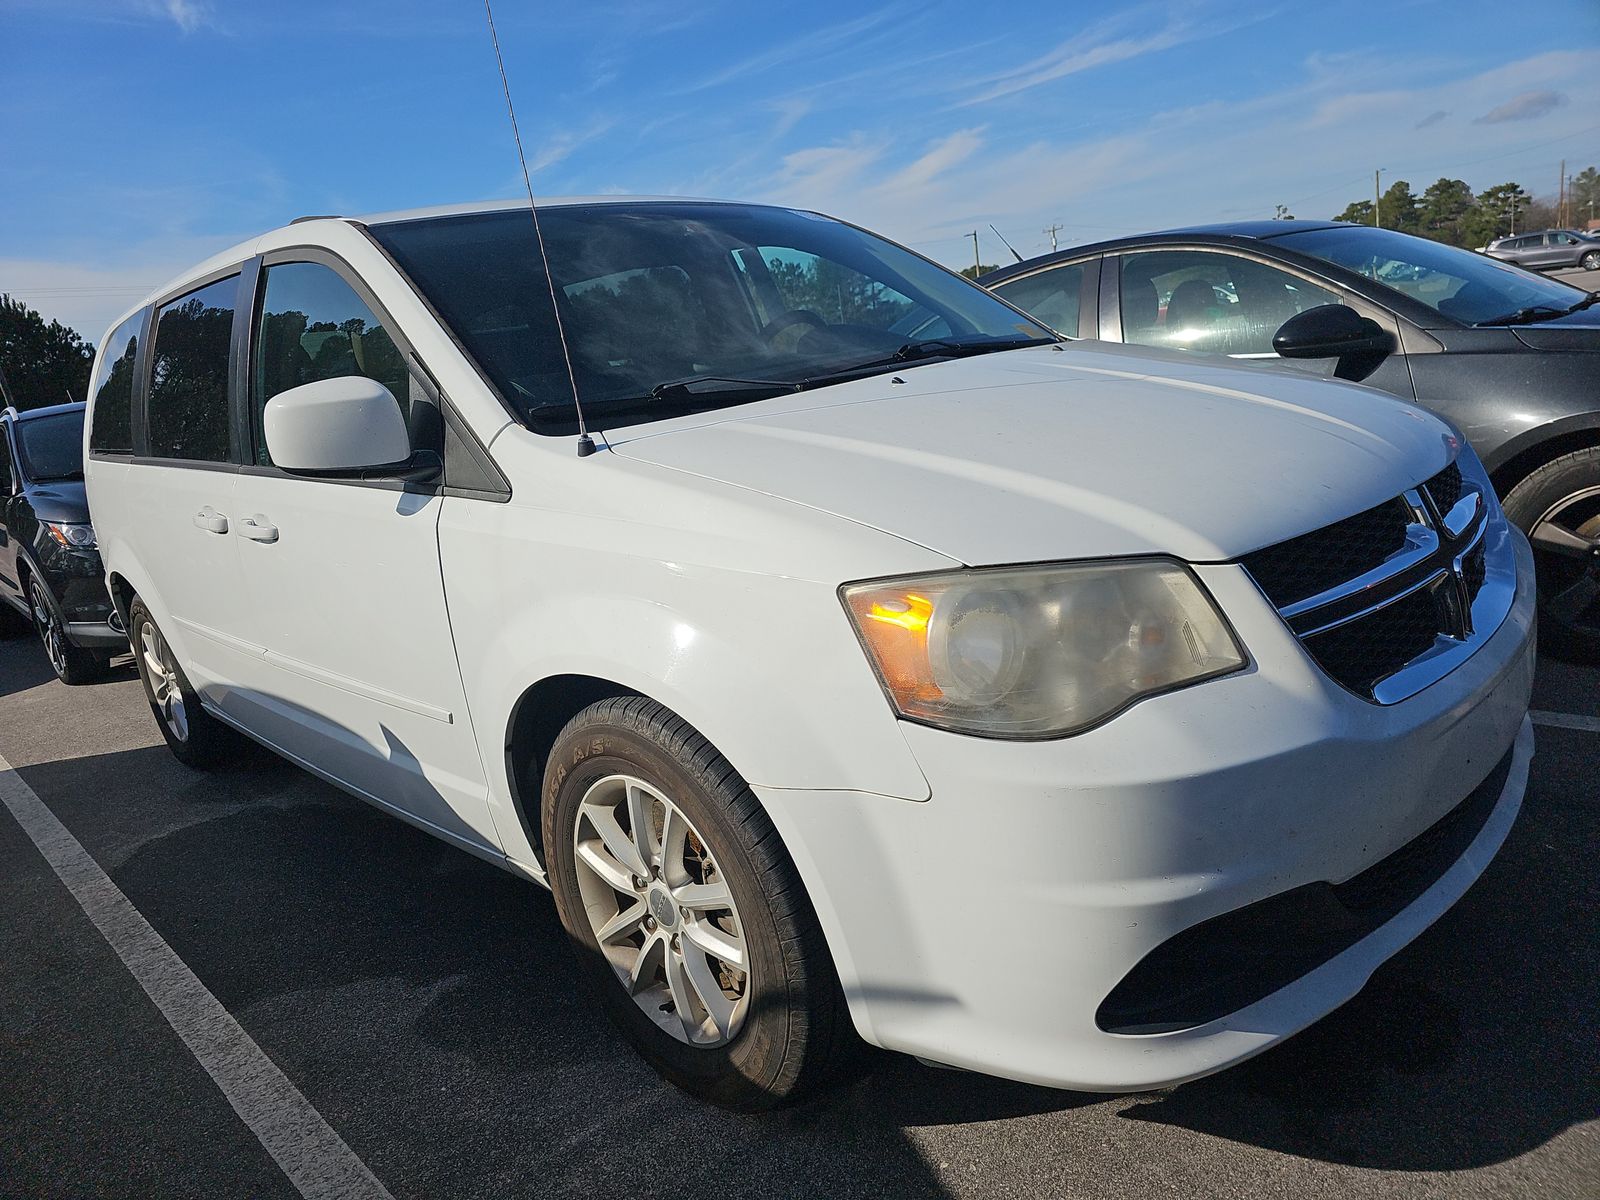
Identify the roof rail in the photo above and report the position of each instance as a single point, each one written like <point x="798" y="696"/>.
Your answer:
<point x="316" y="217"/>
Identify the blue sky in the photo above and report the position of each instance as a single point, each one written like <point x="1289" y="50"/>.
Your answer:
<point x="137" y="136"/>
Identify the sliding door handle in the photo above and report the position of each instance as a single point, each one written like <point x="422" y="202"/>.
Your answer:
<point x="258" y="529"/>
<point x="210" y="520"/>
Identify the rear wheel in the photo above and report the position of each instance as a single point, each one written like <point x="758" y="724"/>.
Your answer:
<point x="1558" y="507"/>
<point x="197" y="738"/>
<point x="72" y="664"/>
<point x="690" y="922"/>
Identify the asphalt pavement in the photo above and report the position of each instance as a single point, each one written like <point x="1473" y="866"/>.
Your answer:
<point x="424" y="1003"/>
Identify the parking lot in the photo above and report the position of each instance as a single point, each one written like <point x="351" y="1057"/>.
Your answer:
<point x="423" y="1003"/>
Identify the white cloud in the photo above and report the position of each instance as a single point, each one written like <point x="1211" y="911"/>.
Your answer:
<point x="1117" y="39"/>
<point x="188" y="14"/>
<point x="806" y="48"/>
<point x="1525" y="107"/>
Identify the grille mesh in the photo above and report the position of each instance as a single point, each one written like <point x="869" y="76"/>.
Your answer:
<point x="1365" y="652"/>
<point x="1316" y="561"/>
<point x="1445" y="488"/>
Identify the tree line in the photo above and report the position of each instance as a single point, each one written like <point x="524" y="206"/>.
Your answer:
<point x="1449" y="211"/>
<point x="40" y="363"/>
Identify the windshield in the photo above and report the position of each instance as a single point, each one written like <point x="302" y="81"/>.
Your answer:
<point x="680" y="307"/>
<point x="52" y="447"/>
<point x="1457" y="284"/>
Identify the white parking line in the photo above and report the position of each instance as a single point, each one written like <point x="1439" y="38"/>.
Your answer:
<point x="315" y="1158"/>
<point x="1566" y="721"/>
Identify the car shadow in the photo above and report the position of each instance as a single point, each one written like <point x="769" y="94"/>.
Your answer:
<point x="431" y="1005"/>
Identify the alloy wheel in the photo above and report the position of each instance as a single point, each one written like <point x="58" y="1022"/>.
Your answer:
<point x="162" y="674"/>
<point x="661" y="911"/>
<point x="51" y="631"/>
<point x="1566" y="541"/>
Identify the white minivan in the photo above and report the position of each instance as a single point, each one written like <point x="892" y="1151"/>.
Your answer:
<point x="846" y="651"/>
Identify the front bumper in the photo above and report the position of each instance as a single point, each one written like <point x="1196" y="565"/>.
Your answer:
<point x="985" y="927"/>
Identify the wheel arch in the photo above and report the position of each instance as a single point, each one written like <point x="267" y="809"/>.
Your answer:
<point x="536" y="720"/>
<point x="1521" y="457"/>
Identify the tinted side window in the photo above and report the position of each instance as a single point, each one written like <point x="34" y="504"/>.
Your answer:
<point x="1051" y="295"/>
<point x="313" y="326"/>
<point x="1216" y="303"/>
<point x="5" y="463"/>
<point x="112" y="390"/>
<point x="187" y="411"/>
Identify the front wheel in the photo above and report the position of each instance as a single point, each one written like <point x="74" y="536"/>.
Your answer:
<point x="1558" y="507"/>
<point x="689" y="920"/>
<point x="1590" y="260"/>
<point x="72" y="664"/>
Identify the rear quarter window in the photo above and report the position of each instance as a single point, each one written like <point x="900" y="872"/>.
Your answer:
<point x="111" y="390"/>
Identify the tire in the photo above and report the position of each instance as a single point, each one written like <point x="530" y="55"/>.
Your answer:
<point x="73" y="665"/>
<point x="778" y="1031"/>
<point x="197" y="738"/>
<point x="1558" y="507"/>
<point x="1590" y="260"/>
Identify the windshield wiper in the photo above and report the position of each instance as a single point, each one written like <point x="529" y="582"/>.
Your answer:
<point x="915" y="351"/>
<point x="951" y="348"/>
<point x="696" y="385"/>
<point x="1542" y="312"/>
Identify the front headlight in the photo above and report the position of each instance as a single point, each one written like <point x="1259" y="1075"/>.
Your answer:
<point x="77" y="537"/>
<point x="1035" y="652"/>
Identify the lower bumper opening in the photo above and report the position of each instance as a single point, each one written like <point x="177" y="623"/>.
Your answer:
<point x="1230" y="961"/>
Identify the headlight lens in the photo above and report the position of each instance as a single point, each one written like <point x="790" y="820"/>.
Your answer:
<point x="78" y="537"/>
<point x="1039" y="652"/>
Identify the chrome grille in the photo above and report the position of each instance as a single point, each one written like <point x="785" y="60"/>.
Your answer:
<point x="1401" y="584"/>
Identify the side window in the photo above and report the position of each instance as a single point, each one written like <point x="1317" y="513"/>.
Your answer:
<point x="1215" y="303"/>
<point x="111" y="390"/>
<point x="1051" y="295"/>
<point x="187" y="410"/>
<point x="313" y="326"/>
<point x="6" y="481"/>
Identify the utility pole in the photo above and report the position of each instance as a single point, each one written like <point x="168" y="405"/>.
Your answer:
<point x="1377" y="197"/>
<point x="977" y="263"/>
<point x="1561" y="196"/>
<point x="1052" y="231"/>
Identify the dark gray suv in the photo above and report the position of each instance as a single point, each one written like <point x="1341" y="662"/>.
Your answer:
<point x="1510" y="357"/>
<point x="1548" y="250"/>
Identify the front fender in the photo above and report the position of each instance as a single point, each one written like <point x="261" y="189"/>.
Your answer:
<point x="764" y="665"/>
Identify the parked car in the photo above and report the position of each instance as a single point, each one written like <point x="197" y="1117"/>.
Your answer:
<point x="50" y="571"/>
<point x="1548" y="250"/>
<point x="1078" y="714"/>
<point x="1511" y="358"/>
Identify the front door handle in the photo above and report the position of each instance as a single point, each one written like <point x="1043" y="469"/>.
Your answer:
<point x="210" y="520"/>
<point x="258" y="529"/>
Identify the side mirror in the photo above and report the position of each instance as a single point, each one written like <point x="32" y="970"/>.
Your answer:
<point x="1335" y="331"/>
<point x="348" y="426"/>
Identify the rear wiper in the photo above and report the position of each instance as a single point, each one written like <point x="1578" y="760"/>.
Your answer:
<point x="1542" y="312"/>
<point x="697" y="385"/>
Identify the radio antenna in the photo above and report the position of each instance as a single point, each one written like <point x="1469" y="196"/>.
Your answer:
<point x="1008" y="245"/>
<point x="586" y="445"/>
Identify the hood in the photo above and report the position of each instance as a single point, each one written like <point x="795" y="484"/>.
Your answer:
<point x="1575" y="331"/>
<point x="60" y="500"/>
<point x="1086" y="451"/>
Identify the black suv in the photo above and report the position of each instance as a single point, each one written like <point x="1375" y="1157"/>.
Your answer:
<point x="50" y="571"/>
